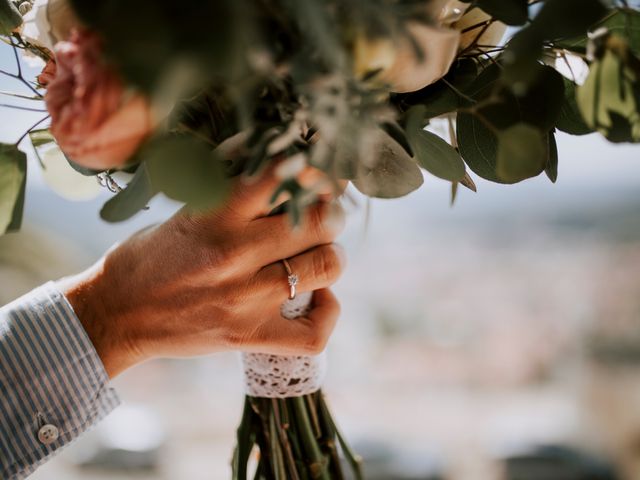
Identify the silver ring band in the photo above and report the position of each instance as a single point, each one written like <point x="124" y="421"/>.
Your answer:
<point x="292" y="279"/>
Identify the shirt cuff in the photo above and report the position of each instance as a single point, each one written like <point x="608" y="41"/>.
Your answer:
<point x="53" y="385"/>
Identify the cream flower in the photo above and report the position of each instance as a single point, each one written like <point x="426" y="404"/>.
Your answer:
<point x="49" y="22"/>
<point x="402" y="67"/>
<point x="490" y="36"/>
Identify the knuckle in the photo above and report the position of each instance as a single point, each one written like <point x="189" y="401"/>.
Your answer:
<point x="332" y="220"/>
<point x="226" y="257"/>
<point x="218" y="257"/>
<point x="338" y="217"/>
<point x="316" y="344"/>
<point x="327" y="265"/>
<point x="321" y="225"/>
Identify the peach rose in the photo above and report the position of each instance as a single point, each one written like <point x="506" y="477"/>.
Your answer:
<point x="47" y="74"/>
<point x="95" y="121"/>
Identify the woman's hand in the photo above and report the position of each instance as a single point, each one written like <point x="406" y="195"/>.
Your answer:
<point x="198" y="284"/>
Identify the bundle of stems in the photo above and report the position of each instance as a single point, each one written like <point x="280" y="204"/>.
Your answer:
<point x="296" y="439"/>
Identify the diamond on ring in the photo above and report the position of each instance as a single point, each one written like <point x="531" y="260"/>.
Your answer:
<point x="292" y="279"/>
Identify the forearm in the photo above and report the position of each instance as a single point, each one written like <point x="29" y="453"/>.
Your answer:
<point x="53" y="385"/>
<point x="88" y="293"/>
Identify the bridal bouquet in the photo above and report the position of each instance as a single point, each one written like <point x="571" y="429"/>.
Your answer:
<point x="183" y="95"/>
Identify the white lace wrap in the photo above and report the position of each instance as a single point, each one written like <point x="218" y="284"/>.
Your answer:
<point x="274" y="376"/>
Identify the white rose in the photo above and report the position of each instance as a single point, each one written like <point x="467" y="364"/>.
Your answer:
<point x="49" y="22"/>
<point x="400" y="65"/>
<point x="492" y="36"/>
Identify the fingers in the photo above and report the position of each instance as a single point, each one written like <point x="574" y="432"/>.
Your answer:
<point x="275" y="238"/>
<point x="303" y="336"/>
<point x="251" y="197"/>
<point x="317" y="268"/>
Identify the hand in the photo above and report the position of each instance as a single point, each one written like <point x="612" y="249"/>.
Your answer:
<point x="199" y="284"/>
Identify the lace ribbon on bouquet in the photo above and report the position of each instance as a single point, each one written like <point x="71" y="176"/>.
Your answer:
<point x="275" y="376"/>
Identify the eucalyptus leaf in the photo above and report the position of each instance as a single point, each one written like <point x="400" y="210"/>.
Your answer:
<point x="511" y="12"/>
<point x="152" y="41"/>
<point x="13" y="178"/>
<point x="570" y="119"/>
<point x="468" y="182"/>
<point x="552" y="158"/>
<point x="489" y="153"/>
<point x="607" y="99"/>
<point x="443" y="96"/>
<point x="187" y="170"/>
<point x="522" y="153"/>
<point x="624" y="22"/>
<point x="87" y="172"/>
<point x="478" y="146"/>
<point x="540" y="104"/>
<point x="10" y="17"/>
<point x="559" y="19"/>
<point x="42" y="138"/>
<point x="391" y="174"/>
<point x="398" y="134"/>
<point x="133" y="198"/>
<point x="436" y="156"/>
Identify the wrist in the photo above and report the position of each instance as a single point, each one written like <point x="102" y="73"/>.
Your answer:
<point x="90" y="297"/>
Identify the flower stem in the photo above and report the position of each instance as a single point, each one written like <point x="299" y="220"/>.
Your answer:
<point x="318" y="460"/>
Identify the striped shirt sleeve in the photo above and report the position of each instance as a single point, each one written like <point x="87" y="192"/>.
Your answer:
<point x="53" y="385"/>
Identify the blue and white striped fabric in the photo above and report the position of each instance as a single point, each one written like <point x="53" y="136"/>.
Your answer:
<point x="50" y="377"/>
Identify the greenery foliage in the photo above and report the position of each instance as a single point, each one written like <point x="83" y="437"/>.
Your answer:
<point x="267" y="68"/>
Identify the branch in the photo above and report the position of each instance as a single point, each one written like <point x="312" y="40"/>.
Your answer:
<point x="30" y="129"/>
<point x="19" y="107"/>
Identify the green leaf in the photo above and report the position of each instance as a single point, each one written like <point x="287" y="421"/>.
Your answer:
<point x="437" y="156"/>
<point x="552" y="158"/>
<point x="570" y="120"/>
<point x="152" y="41"/>
<point x="43" y="138"/>
<point x="478" y="146"/>
<point x="433" y="153"/>
<point x="559" y="19"/>
<point x="607" y="99"/>
<point x="624" y="22"/>
<point x="391" y="174"/>
<point x="443" y="96"/>
<point x="87" y="172"/>
<point x="511" y="12"/>
<point x="538" y="105"/>
<point x="135" y="197"/>
<point x="10" y="17"/>
<point x="522" y="153"/>
<point x="186" y="169"/>
<point x="398" y="134"/>
<point x="13" y="178"/>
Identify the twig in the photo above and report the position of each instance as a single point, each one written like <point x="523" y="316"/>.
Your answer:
<point x="31" y="128"/>
<point x="26" y="109"/>
<point x="18" y="95"/>
<point x="457" y="91"/>
<point x="19" y="67"/>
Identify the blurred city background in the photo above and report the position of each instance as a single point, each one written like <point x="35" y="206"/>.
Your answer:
<point x="496" y="339"/>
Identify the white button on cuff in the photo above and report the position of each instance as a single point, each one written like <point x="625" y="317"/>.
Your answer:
<point x="48" y="434"/>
